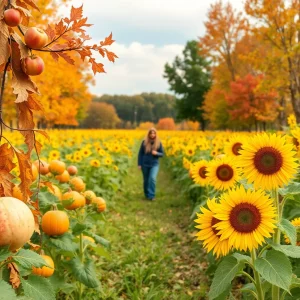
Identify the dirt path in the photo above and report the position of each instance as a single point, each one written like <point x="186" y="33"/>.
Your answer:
<point x="154" y="255"/>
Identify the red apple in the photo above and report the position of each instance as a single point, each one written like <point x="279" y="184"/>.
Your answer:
<point x="12" y="17"/>
<point x="33" y="65"/>
<point x="72" y="170"/>
<point x="35" y="38"/>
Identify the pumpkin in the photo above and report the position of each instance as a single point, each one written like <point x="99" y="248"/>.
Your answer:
<point x="101" y="204"/>
<point x="55" y="222"/>
<point x="79" y="200"/>
<point x="16" y="223"/>
<point x="64" y="177"/>
<point x="57" y="167"/>
<point x="77" y="184"/>
<point x="45" y="271"/>
<point x="89" y="196"/>
<point x="43" y="166"/>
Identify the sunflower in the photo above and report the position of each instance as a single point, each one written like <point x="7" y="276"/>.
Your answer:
<point x="247" y="218"/>
<point x="292" y="121"/>
<point x="95" y="163"/>
<point x="268" y="161"/>
<point x="86" y="152"/>
<point x="108" y="161"/>
<point x="234" y="145"/>
<point x="296" y="223"/>
<point x="54" y="154"/>
<point x="222" y="173"/>
<point x="189" y="151"/>
<point x="186" y="163"/>
<point x="198" y="172"/>
<point x="208" y="234"/>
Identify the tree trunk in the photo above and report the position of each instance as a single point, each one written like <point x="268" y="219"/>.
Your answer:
<point x="282" y="112"/>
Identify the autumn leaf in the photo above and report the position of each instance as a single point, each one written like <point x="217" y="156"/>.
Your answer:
<point x="25" y="173"/>
<point x="32" y="4"/>
<point x="21" y="82"/>
<point x="108" y="41"/>
<point x="14" y="277"/>
<point x="67" y="58"/>
<point x="4" y="46"/>
<point x="110" y="55"/>
<point x="60" y="28"/>
<point x="24" y="50"/>
<point x="96" y="67"/>
<point x="50" y="32"/>
<point x="76" y="13"/>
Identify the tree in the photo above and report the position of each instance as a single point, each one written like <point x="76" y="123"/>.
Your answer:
<point x="101" y="115"/>
<point x="190" y="79"/>
<point x="166" y="124"/>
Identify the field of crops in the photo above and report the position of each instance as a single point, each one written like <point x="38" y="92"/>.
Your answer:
<point x="227" y="203"/>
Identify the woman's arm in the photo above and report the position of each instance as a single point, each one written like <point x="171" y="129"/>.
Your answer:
<point x="141" y="153"/>
<point x="160" y="151"/>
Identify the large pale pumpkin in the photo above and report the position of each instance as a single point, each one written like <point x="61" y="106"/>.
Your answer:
<point x="16" y="223"/>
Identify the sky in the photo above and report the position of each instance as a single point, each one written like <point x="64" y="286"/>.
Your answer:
<point x="148" y="34"/>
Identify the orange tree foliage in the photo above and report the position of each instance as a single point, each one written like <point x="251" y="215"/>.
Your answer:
<point x="101" y="115"/>
<point x="145" y="125"/>
<point x="248" y="104"/>
<point x="166" y="124"/>
<point x="67" y="35"/>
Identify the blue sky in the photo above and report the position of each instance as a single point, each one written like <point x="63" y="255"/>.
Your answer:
<point x="148" y="34"/>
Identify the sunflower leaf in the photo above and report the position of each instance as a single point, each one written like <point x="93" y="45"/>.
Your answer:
<point x="225" y="273"/>
<point x="289" y="250"/>
<point x="293" y="189"/>
<point x="275" y="268"/>
<point x="289" y="229"/>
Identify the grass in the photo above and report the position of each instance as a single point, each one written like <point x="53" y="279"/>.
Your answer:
<point x="154" y="252"/>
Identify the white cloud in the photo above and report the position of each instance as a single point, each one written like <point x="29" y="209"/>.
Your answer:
<point x="139" y="69"/>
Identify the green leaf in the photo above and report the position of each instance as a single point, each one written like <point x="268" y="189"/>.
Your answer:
<point x="275" y="268"/>
<point x="78" y="228"/>
<point x="58" y="283"/>
<point x="85" y="273"/>
<point x="64" y="242"/>
<point x="242" y="258"/>
<point x="293" y="188"/>
<point x="102" y="252"/>
<point x="7" y="292"/>
<point x="288" y="250"/>
<point x="295" y="283"/>
<point x="46" y="200"/>
<point x="4" y="253"/>
<point x="225" y="273"/>
<point x="28" y="259"/>
<point x="101" y="240"/>
<point x="38" y="288"/>
<point x="289" y="229"/>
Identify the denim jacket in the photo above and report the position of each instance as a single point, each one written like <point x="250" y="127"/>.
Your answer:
<point x="148" y="159"/>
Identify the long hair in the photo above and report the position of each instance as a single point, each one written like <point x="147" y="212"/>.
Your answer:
<point x="151" y="144"/>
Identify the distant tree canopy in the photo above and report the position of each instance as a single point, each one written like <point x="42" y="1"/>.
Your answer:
<point x="146" y="107"/>
<point x="189" y="77"/>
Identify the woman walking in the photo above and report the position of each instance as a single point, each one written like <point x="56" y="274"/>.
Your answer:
<point x="151" y="149"/>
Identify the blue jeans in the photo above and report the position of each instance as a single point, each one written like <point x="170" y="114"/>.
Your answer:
<point x="150" y="174"/>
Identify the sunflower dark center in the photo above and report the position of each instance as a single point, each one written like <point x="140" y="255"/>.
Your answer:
<point x="202" y="172"/>
<point x="236" y="148"/>
<point x="214" y="221"/>
<point x="245" y="218"/>
<point x="190" y="151"/>
<point x="224" y="172"/>
<point x="268" y="160"/>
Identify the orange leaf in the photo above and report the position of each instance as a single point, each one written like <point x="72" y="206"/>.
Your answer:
<point x="21" y="82"/>
<point x="60" y="28"/>
<point x="4" y="46"/>
<point x="33" y="246"/>
<point x="32" y="4"/>
<point x="77" y="24"/>
<point x="110" y="55"/>
<point x="24" y="50"/>
<point x="14" y="277"/>
<point x="76" y="13"/>
<point x="66" y="57"/>
<point x="108" y="41"/>
<point x="50" y="32"/>
<point x="54" y="55"/>
<point x="96" y="67"/>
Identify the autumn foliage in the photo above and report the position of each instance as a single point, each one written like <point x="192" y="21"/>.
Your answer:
<point x="166" y="124"/>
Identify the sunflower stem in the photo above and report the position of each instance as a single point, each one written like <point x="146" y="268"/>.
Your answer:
<point x="276" y="238"/>
<point x="259" y="289"/>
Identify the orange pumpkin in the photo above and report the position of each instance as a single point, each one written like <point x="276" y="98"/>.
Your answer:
<point x="77" y="184"/>
<point x="55" y="222"/>
<point x="64" y="177"/>
<point x="43" y="166"/>
<point x="45" y="271"/>
<point x="57" y="167"/>
<point x="16" y="223"/>
<point x="89" y="196"/>
<point x="79" y="200"/>
<point x="101" y="204"/>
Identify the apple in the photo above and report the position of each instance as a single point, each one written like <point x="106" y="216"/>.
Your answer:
<point x="12" y="17"/>
<point x="33" y="65"/>
<point x="72" y="170"/>
<point x="35" y="38"/>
